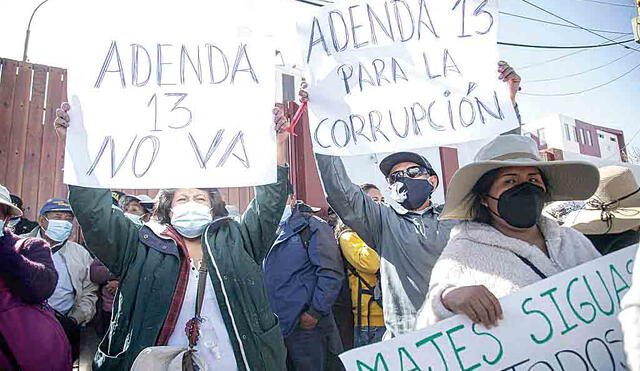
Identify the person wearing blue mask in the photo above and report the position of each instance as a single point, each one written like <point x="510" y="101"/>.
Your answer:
<point x="75" y="296"/>
<point x="190" y="250"/>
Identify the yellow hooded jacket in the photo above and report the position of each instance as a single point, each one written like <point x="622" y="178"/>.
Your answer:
<point x="367" y="262"/>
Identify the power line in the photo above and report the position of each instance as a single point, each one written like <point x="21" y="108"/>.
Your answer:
<point x="585" y="90"/>
<point x="608" y="3"/>
<point x="573" y="23"/>
<point x="558" y="58"/>
<point x="564" y="47"/>
<point x="583" y="72"/>
<point x="561" y="24"/>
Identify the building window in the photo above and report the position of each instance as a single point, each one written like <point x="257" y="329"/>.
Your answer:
<point x="541" y="136"/>
<point x="601" y="136"/>
<point x="589" y="139"/>
<point x="567" y="132"/>
<point x="288" y="88"/>
<point x="582" y="136"/>
<point x="612" y="139"/>
<point x="575" y="135"/>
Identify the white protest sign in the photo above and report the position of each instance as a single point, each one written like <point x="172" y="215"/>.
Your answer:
<point x="169" y="94"/>
<point x="388" y="75"/>
<point x="566" y="322"/>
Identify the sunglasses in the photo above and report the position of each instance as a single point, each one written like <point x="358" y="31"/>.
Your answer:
<point x="411" y="172"/>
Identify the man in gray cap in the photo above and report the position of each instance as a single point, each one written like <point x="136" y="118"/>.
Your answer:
<point x="409" y="239"/>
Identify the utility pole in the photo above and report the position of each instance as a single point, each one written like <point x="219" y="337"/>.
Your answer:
<point x="26" y="38"/>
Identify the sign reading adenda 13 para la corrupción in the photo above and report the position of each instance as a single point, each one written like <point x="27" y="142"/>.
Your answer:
<point x="401" y="74"/>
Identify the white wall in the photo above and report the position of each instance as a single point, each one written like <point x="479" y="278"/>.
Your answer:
<point x="569" y="145"/>
<point x="609" y="148"/>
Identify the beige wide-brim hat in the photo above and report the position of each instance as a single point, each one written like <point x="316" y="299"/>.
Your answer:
<point x="566" y="180"/>
<point x="614" y="208"/>
<point x="5" y="199"/>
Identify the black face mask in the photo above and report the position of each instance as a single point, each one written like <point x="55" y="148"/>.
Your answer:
<point x="521" y="205"/>
<point x="411" y="193"/>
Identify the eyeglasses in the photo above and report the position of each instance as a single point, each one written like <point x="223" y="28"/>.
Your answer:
<point x="411" y="172"/>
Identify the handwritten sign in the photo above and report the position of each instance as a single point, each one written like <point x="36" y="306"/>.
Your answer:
<point x="168" y="94"/>
<point x="387" y="75"/>
<point x="566" y="322"/>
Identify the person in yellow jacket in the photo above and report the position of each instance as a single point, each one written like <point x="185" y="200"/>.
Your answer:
<point x="363" y="265"/>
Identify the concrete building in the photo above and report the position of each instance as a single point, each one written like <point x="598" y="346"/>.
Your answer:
<point x="559" y="134"/>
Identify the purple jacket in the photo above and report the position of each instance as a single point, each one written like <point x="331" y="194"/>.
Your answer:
<point x="31" y="335"/>
<point x="100" y="275"/>
<point x="29" y="273"/>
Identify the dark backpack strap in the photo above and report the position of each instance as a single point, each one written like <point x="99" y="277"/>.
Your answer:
<point x="533" y="267"/>
<point x="366" y="284"/>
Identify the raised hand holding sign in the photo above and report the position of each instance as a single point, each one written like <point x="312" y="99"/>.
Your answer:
<point x="167" y="93"/>
<point x="393" y="75"/>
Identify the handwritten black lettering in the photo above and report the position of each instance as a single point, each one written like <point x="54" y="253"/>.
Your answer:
<point x="354" y="27"/>
<point x="387" y="30"/>
<point x="155" y="142"/>
<point x="135" y="65"/>
<point x="237" y="140"/>
<point x="225" y="64"/>
<point x="197" y="67"/>
<point x="113" y="51"/>
<point x="404" y="35"/>
<point x="426" y="21"/>
<point x="215" y="143"/>
<point x="240" y="56"/>
<point x="334" y="33"/>
<point x="315" y="25"/>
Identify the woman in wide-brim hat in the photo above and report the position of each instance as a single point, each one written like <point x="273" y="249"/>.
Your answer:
<point x="611" y="217"/>
<point x="505" y="244"/>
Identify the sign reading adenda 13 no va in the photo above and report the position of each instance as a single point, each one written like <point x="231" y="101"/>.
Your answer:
<point x="394" y="74"/>
<point x="170" y="95"/>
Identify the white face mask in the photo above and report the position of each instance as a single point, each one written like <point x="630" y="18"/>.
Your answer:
<point x="137" y="219"/>
<point x="13" y="222"/>
<point x="58" y="230"/>
<point x="191" y="218"/>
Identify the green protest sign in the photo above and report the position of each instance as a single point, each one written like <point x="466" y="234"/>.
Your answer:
<point x="566" y="322"/>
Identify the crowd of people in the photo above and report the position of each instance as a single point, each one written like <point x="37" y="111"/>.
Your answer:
<point x="178" y="280"/>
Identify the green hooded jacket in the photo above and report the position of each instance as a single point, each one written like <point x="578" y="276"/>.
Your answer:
<point x="148" y="265"/>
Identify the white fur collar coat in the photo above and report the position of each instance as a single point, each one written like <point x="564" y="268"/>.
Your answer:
<point x="477" y="254"/>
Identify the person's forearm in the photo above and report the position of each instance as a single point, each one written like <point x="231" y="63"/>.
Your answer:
<point x="283" y="150"/>
<point x="351" y="204"/>
<point x="99" y="273"/>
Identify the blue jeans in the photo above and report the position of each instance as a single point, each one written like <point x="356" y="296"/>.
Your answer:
<point x="315" y="350"/>
<point x="366" y="335"/>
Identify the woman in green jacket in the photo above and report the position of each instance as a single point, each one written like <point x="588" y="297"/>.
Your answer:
<point x="158" y="268"/>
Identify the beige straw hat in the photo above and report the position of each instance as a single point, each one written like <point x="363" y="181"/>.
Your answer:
<point x="566" y="180"/>
<point x="5" y="199"/>
<point x="614" y="208"/>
